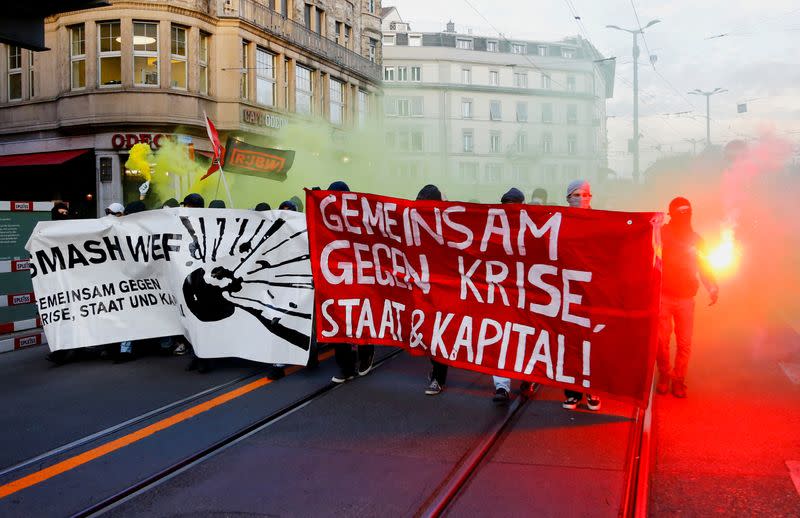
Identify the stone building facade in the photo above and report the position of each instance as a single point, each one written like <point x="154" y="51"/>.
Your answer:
<point x="145" y="70"/>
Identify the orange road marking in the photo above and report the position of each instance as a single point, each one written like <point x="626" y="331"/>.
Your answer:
<point x="110" y="447"/>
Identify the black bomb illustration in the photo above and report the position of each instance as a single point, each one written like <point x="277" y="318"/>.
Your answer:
<point x="258" y="267"/>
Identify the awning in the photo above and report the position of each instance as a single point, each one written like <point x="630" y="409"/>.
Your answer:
<point x="49" y="158"/>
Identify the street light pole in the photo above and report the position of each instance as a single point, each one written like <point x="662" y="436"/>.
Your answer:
<point x="708" y="95"/>
<point x="635" y="33"/>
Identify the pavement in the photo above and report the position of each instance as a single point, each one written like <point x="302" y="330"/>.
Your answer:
<point x="729" y="448"/>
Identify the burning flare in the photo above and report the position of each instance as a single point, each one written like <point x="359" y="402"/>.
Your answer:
<point x="724" y="257"/>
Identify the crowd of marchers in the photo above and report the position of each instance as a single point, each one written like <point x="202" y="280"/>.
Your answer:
<point x="683" y="270"/>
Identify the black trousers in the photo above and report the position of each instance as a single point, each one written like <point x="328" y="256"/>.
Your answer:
<point x="346" y="357"/>
<point x="439" y="372"/>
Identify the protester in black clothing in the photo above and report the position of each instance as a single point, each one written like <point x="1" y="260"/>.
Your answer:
<point x="194" y="201"/>
<point x="682" y="265"/>
<point x="261" y="207"/>
<point x="438" y="374"/>
<point x="346" y="357"/>
<point x="216" y="204"/>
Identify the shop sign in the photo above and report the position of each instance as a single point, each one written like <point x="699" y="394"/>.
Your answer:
<point x="121" y="141"/>
<point x="264" y="119"/>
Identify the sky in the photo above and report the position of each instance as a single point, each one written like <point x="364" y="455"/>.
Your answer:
<point x="757" y="61"/>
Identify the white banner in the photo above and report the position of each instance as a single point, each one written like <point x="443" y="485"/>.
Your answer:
<point x="234" y="282"/>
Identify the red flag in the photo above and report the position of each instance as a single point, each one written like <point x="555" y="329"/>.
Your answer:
<point x="216" y="147"/>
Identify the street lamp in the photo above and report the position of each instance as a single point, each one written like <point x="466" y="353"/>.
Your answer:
<point x="635" y="33"/>
<point x="708" y="95"/>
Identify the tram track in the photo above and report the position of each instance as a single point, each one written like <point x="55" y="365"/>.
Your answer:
<point x="229" y="440"/>
<point x="43" y="458"/>
<point x="637" y="463"/>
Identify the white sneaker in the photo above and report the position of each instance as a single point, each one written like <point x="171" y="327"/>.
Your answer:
<point x="433" y="389"/>
<point x="340" y="378"/>
<point x="180" y="350"/>
<point x="592" y="402"/>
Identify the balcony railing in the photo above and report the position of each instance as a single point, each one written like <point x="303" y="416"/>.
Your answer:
<point x="273" y="23"/>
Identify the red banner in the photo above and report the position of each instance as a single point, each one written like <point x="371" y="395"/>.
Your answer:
<point x="556" y="295"/>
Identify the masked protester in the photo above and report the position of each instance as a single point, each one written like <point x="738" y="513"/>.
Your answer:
<point x="347" y="355"/>
<point x="438" y="374"/>
<point x="59" y="212"/>
<point x="502" y="386"/>
<point x="579" y="195"/>
<point x="682" y="264"/>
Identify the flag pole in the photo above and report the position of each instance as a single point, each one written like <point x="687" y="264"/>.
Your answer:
<point x="227" y="190"/>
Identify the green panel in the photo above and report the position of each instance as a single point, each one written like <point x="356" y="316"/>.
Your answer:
<point x="15" y="229"/>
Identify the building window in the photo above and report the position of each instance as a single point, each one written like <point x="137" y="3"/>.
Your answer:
<point x="285" y="8"/>
<point x="518" y="48"/>
<point x="572" y="114"/>
<point x="522" y="111"/>
<point x="77" y="57"/>
<point x="303" y="90"/>
<point x="145" y="54"/>
<point x="572" y="171"/>
<point x="402" y="73"/>
<point x="307" y="15"/>
<point x="348" y="35"/>
<point x="551" y="174"/>
<point x="520" y="174"/>
<point x="468" y="172"/>
<point x="31" y="76"/>
<point x="265" y="77"/>
<point x="403" y="141"/>
<point x="371" y="6"/>
<point x="494" y="143"/>
<point x="542" y="49"/>
<point x="178" y="58"/>
<point x="467" y="141"/>
<point x="464" y="43"/>
<point x="568" y="53"/>
<point x="466" y="108"/>
<point x="319" y="21"/>
<point x="336" y="104"/>
<point x="203" y="62"/>
<point x="286" y="102"/>
<point x="14" y="73"/>
<point x="415" y="40"/>
<point x="547" y="143"/>
<point x="244" y="80"/>
<point x="494" y="78"/>
<point x="571" y="83"/>
<point x="417" y="140"/>
<point x="388" y="39"/>
<point x="108" y="54"/>
<point x="403" y="108"/>
<point x="466" y="76"/>
<point x="363" y="98"/>
<point x="391" y="140"/>
<point x="521" y="79"/>
<point x="494" y="173"/>
<point x="572" y="144"/>
<point x="546" y="83"/>
<point x="388" y="73"/>
<point x="492" y="46"/>
<point x="416" y="74"/>
<point x="495" y="113"/>
<point x="547" y="112"/>
<point x="522" y="142"/>
<point x="416" y="107"/>
<point x="373" y="49"/>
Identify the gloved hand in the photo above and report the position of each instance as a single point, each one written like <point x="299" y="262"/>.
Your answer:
<point x="714" y="294"/>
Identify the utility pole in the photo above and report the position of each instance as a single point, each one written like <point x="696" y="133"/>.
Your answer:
<point x="635" y="33"/>
<point x="708" y="108"/>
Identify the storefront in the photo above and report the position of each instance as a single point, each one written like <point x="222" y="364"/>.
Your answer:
<point x="87" y="172"/>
